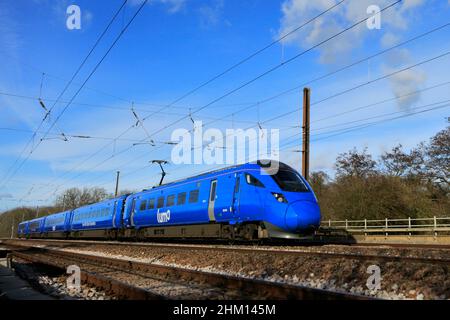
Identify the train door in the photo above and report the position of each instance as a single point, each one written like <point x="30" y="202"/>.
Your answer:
<point x="250" y="200"/>
<point x="133" y="210"/>
<point x="212" y="200"/>
<point x="114" y="215"/>
<point x="236" y="193"/>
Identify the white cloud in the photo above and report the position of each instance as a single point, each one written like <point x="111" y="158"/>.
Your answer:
<point x="5" y="196"/>
<point x="210" y="14"/>
<point x="389" y="39"/>
<point x="173" y="5"/>
<point x="296" y="12"/>
<point x="404" y="82"/>
<point x="393" y="21"/>
<point x="9" y="37"/>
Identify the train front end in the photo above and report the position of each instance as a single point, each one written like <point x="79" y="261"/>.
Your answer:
<point x="296" y="212"/>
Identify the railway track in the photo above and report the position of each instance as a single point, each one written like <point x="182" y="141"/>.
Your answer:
<point x="322" y="253"/>
<point x="137" y="280"/>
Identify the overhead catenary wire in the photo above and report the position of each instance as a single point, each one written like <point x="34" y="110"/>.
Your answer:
<point x="278" y="66"/>
<point x="325" y="99"/>
<point x="87" y="79"/>
<point x="346" y="67"/>
<point x="414" y="111"/>
<point x="62" y="93"/>
<point x="428" y="60"/>
<point x="339" y="132"/>
<point x="246" y="59"/>
<point x="278" y="40"/>
<point x="370" y="118"/>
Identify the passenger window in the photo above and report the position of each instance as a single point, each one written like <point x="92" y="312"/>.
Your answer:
<point x="151" y="204"/>
<point x="181" y="198"/>
<point x="193" y="196"/>
<point x="253" y="181"/>
<point x="160" y="202"/>
<point x="171" y="200"/>
<point x="143" y="205"/>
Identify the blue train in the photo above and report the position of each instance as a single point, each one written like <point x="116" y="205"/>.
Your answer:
<point x="249" y="201"/>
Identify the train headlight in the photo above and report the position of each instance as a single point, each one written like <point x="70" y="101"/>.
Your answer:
<point x="279" y="197"/>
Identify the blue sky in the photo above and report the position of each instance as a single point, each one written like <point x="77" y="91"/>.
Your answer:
<point x="175" y="45"/>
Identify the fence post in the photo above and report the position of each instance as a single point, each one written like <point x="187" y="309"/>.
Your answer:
<point x="409" y="226"/>
<point x="435" y="226"/>
<point x="386" y="227"/>
<point x="365" y="227"/>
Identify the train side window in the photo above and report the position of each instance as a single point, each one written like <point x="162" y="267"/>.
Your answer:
<point x="151" y="204"/>
<point x="253" y="181"/>
<point x="181" y="198"/>
<point x="171" y="200"/>
<point x="143" y="205"/>
<point x="193" y="196"/>
<point x="160" y="202"/>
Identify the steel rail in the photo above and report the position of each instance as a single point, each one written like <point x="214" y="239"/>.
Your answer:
<point x="262" y="250"/>
<point x="115" y="287"/>
<point x="247" y="287"/>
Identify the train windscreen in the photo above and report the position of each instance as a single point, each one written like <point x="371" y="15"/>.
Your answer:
<point x="290" y="181"/>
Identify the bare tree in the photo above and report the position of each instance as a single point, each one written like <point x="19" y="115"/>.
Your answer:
<point x="318" y="180"/>
<point x="401" y="164"/>
<point x="74" y="197"/>
<point x="438" y="159"/>
<point x="355" y="164"/>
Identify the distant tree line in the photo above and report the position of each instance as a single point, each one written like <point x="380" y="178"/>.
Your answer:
<point x="399" y="184"/>
<point x="70" y="199"/>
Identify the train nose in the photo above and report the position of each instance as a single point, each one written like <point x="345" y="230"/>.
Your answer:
<point x="302" y="215"/>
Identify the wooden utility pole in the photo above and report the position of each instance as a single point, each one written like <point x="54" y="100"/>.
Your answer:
<point x="305" y="129"/>
<point x="117" y="183"/>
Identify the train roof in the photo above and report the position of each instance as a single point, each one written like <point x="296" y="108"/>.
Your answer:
<point x="101" y="202"/>
<point x="249" y="165"/>
<point x="36" y="219"/>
